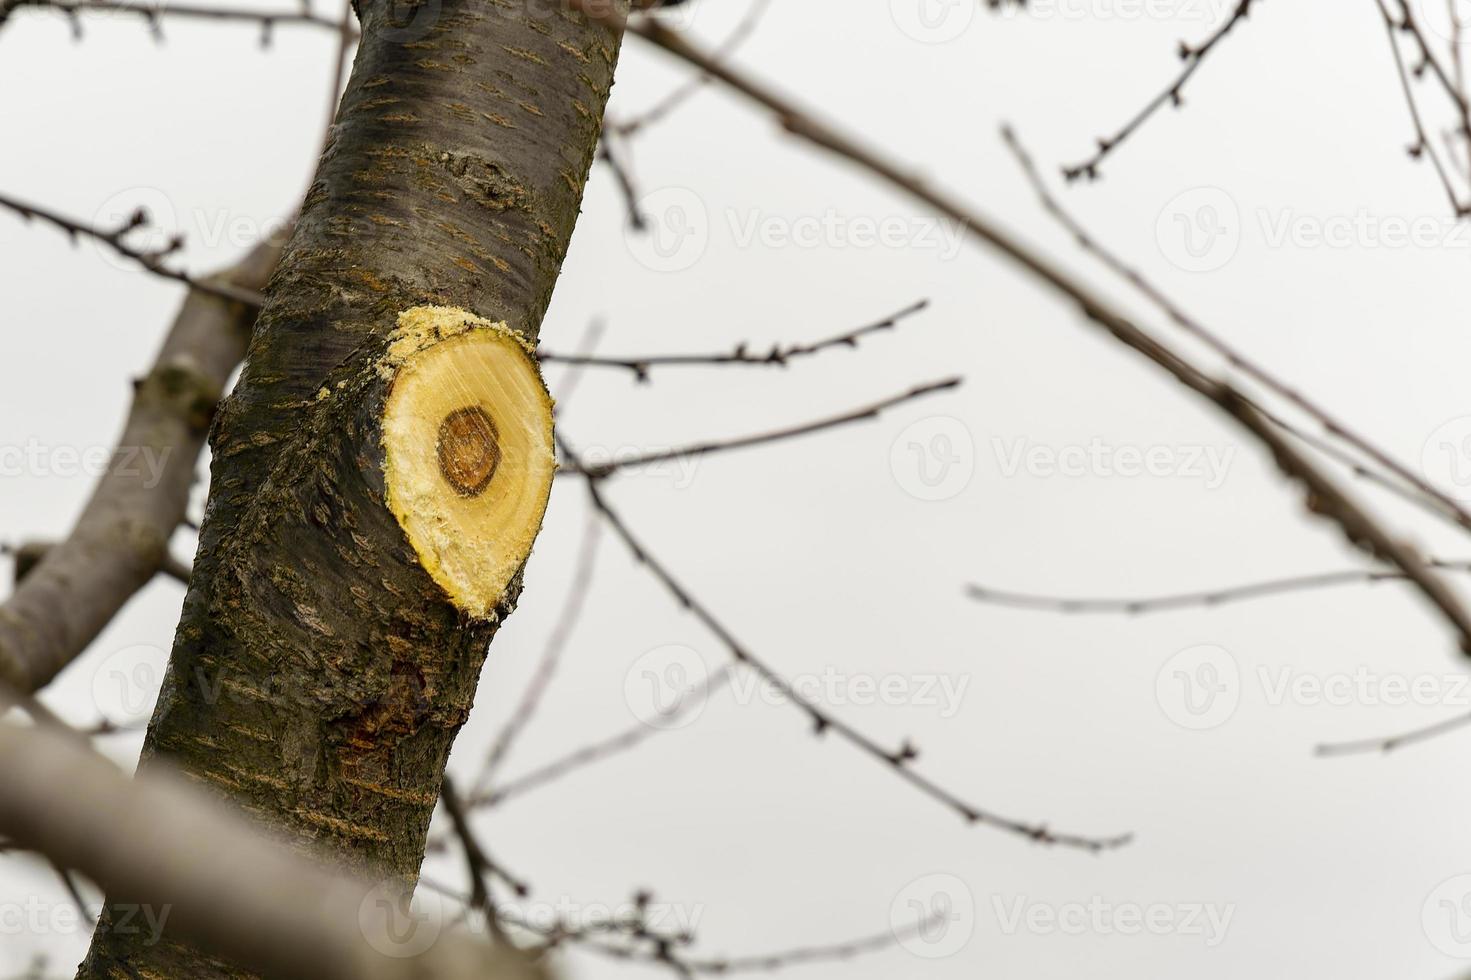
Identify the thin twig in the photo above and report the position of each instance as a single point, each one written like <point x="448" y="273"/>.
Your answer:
<point x="598" y="471"/>
<point x="1234" y="357"/>
<point x="1188" y="600"/>
<point x="151" y="13"/>
<point x="116" y="239"/>
<point x="1193" y="57"/>
<point x="624" y="178"/>
<point x="779" y="355"/>
<point x="482" y="869"/>
<point x="1422" y="148"/>
<point x="1323" y="496"/>
<point x="1392" y="742"/>
<point x="605" y="748"/>
<point x="665" y="106"/>
<point x="551" y="656"/>
<point x="899" y="760"/>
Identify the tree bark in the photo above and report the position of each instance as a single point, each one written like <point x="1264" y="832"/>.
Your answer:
<point x="326" y="655"/>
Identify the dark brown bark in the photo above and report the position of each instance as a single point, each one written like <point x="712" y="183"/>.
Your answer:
<point x="319" y="675"/>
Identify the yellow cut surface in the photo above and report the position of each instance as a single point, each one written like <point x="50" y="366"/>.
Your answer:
<point x="468" y="454"/>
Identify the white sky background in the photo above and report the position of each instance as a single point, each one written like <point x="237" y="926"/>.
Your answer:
<point x="815" y="552"/>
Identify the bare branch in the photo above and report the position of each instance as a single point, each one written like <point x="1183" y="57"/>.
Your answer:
<point x="630" y="738"/>
<point x="1422" y="147"/>
<point x="624" y="178"/>
<point x="28" y="555"/>
<point x="598" y="471"/>
<point x="152" y="13"/>
<point x="778" y="355"/>
<point x="1392" y="742"/>
<point x="121" y="538"/>
<point x="1187" y="600"/>
<point x="1445" y="504"/>
<point x="900" y="760"/>
<point x="551" y="655"/>
<point x="1323" y="496"/>
<point x="164" y="844"/>
<point x="1193" y="57"/>
<point x="151" y="260"/>
<point x="666" y="106"/>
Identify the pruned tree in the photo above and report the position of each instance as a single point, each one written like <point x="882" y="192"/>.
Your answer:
<point x="380" y="470"/>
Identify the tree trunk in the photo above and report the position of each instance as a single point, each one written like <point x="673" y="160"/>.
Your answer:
<point x="381" y="468"/>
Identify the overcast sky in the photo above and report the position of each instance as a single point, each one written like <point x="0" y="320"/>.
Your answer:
<point x="1280" y="206"/>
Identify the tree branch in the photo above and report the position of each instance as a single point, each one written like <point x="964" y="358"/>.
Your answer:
<point x="598" y="471"/>
<point x="778" y="355"/>
<point x="900" y="760"/>
<point x="1193" y="57"/>
<point x="121" y="538"/>
<point x="150" y="260"/>
<point x="170" y="849"/>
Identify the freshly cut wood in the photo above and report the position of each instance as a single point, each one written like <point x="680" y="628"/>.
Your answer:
<point x="468" y="455"/>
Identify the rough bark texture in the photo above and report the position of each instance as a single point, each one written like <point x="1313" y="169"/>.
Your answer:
<point x="121" y="538"/>
<point x="319" y="676"/>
